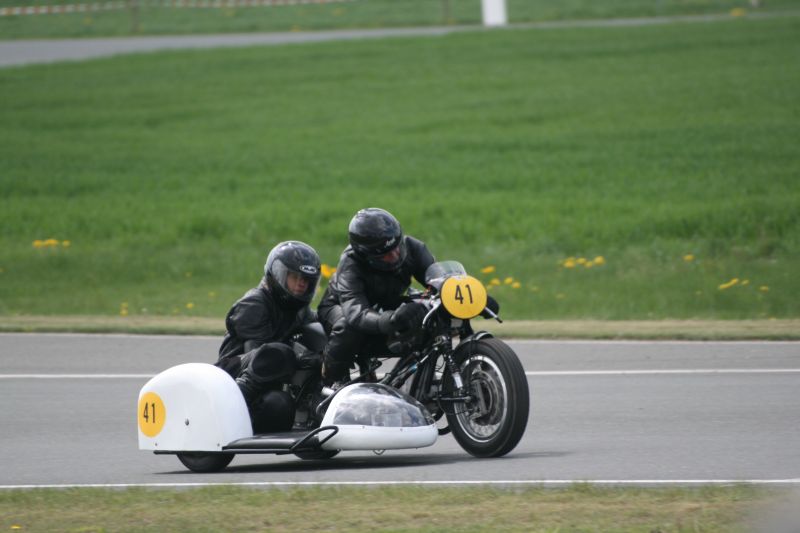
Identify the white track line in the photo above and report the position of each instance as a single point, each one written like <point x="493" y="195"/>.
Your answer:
<point x="76" y="376"/>
<point x="507" y="340"/>
<point x="665" y="372"/>
<point x="516" y="482"/>
<point x="545" y="373"/>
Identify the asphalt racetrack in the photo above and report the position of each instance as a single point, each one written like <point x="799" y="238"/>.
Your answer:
<point x="642" y="413"/>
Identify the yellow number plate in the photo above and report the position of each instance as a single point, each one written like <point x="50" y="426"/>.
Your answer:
<point x="463" y="296"/>
<point x="152" y="414"/>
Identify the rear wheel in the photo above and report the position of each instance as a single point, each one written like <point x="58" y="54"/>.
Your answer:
<point x="493" y="423"/>
<point x="205" y="462"/>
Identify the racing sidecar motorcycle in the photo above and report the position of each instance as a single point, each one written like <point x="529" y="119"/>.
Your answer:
<point x="444" y="372"/>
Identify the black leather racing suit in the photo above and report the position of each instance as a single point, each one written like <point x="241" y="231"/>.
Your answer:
<point x="354" y="299"/>
<point x="254" y="321"/>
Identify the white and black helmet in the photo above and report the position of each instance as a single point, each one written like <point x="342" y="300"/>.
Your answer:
<point x="299" y="259"/>
<point x="374" y="233"/>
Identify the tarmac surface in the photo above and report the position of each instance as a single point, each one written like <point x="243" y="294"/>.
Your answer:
<point x="641" y="413"/>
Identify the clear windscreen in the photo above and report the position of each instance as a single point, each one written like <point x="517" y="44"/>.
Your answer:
<point x="438" y="272"/>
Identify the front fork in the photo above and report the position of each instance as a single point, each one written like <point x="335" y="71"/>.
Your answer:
<point x="459" y="393"/>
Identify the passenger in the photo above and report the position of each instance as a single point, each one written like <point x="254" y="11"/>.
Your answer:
<point x="256" y="349"/>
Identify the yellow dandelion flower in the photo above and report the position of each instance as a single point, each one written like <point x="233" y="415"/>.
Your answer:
<point x="729" y="284"/>
<point x="123" y="312"/>
<point x="38" y="243"/>
<point x="688" y="258"/>
<point x="509" y="280"/>
<point x="599" y="260"/>
<point x="581" y="261"/>
<point x="190" y="305"/>
<point x="51" y="242"/>
<point x="327" y="271"/>
<point x="569" y="263"/>
<point x="16" y="526"/>
<point x="516" y="285"/>
<point x="763" y="288"/>
<point x="487" y="269"/>
<point x="494" y="281"/>
<point x="589" y="264"/>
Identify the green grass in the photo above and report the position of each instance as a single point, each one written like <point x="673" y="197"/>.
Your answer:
<point x="153" y="19"/>
<point x="580" y="508"/>
<point x="172" y="174"/>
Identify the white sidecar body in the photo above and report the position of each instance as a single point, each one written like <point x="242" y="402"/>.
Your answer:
<point x="197" y="408"/>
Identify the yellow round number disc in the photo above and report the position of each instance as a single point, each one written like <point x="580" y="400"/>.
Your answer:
<point x="152" y="414"/>
<point x="463" y="296"/>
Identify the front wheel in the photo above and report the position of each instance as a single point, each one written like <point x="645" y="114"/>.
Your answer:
<point x="205" y="462"/>
<point x="493" y="423"/>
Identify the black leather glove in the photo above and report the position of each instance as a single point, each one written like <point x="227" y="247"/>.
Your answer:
<point x="405" y="317"/>
<point x="492" y="305"/>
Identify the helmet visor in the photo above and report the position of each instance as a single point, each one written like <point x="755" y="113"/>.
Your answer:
<point x="389" y="260"/>
<point x="298" y="284"/>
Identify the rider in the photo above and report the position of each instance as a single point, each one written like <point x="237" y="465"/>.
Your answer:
<point x="364" y="302"/>
<point x="256" y="350"/>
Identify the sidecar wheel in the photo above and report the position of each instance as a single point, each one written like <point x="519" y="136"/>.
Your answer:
<point x="493" y="424"/>
<point x="317" y="454"/>
<point x="205" y="462"/>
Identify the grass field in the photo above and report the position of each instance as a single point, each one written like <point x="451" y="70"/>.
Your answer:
<point x="580" y="508"/>
<point x="153" y="17"/>
<point x="670" y="152"/>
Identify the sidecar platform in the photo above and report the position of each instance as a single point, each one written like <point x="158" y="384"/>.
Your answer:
<point x="278" y="443"/>
<point x="284" y="442"/>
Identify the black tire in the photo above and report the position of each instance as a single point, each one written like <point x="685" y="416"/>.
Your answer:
<point x="317" y="454"/>
<point x="494" y="424"/>
<point x="205" y="462"/>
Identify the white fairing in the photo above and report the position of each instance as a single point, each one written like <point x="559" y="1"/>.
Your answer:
<point x="203" y="409"/>
<point x="371" y="416"/>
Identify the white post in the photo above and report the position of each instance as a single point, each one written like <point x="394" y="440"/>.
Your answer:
<point x="494" y="12"/>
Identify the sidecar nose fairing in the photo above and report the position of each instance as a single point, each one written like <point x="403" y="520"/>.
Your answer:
<point x="195" y="407"/>
<point x="372" y="416"/>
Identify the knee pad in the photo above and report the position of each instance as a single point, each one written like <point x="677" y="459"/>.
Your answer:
<point x="273" y="362"/>
<point x="272" y="411"/>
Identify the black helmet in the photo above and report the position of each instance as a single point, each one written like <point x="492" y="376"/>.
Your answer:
<point x="376" y="236"/>
<point x="292" y="273"/>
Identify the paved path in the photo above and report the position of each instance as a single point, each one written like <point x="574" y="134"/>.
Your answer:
<point x="23" y="52"/>
<point x="645" y="413"/>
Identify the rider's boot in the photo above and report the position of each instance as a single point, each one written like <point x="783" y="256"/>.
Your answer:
<point x="334" y="371"/>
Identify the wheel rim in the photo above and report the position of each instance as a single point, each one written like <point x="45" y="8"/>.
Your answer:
<point x="483" y="418"/>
